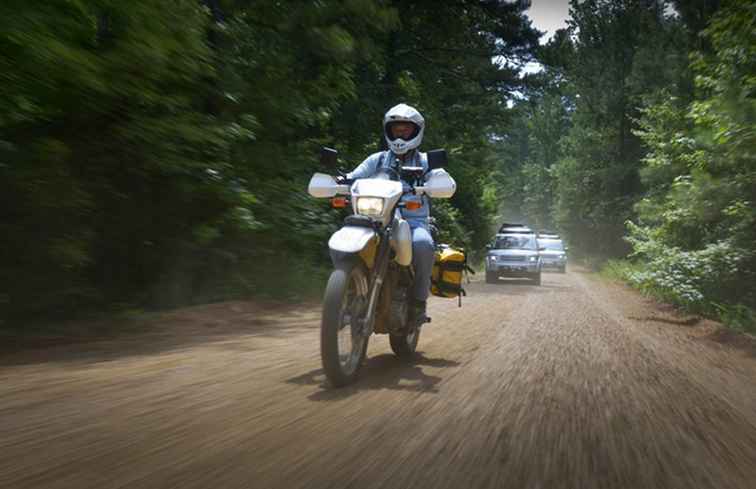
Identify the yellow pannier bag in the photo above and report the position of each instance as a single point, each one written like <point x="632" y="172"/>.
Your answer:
<point x="448" y="269"/>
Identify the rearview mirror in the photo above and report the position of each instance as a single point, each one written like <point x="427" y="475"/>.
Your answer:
<point x="328" y="157"/>
<point x="437" y="159"/>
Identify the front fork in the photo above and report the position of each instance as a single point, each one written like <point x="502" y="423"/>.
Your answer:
<point x="382" y="258"/>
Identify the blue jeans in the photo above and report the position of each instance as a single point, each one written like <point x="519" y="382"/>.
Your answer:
<point x="423" y="251"/>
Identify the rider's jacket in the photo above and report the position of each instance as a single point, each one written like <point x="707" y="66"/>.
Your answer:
<point x="385" y="159"/>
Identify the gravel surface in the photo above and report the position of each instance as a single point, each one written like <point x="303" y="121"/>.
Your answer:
<point x="578" y="383"/>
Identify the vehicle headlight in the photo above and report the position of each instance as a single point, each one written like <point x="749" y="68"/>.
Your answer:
<point x="532" y="258"/>
<point x="370" y="206"/>
<point x="492" y="257"/>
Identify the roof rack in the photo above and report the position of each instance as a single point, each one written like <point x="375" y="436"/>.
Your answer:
<point x="512" y="225"/>
<point x="515" y="228"/>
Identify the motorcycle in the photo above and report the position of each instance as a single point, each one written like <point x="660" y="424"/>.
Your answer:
<point x="369" y="290"/>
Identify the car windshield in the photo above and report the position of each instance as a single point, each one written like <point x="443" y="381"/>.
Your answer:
<point x="554" y="245"/>
<point x="515" y="242"/>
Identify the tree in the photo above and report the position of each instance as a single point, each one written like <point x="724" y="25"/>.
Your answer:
<point x="698" y="219"/>
<point x="156" y="154"/>
<point x="597" y="177"/>
<point x="108" y="160"/>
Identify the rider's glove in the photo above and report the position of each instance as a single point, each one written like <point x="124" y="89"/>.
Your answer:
<point x="343" y="180"/>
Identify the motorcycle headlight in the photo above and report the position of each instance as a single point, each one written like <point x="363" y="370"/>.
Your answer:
<point x="370" y="206"/>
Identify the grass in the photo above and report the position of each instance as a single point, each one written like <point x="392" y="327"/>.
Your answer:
<point x="618" y="270"/>
<point x="737" y="317"/>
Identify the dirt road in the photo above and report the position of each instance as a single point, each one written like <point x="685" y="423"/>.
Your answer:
<point x="574" y="384"/>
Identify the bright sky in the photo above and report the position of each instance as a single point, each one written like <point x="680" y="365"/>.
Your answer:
<point x="548" y="15"/>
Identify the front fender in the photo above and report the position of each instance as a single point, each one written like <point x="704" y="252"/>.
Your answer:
<point x="350" y="239"/>
<point x="351" y="243"/>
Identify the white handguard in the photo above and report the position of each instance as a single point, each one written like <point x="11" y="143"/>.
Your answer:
<point x="439" y="184"/>
<point x="325" y="186"/>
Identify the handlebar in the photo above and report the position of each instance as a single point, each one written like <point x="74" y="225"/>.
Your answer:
<point x="343" y="180"/>
<point x="346" y="189"/>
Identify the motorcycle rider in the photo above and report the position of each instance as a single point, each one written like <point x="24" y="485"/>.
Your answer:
<point x="403" y="128"/>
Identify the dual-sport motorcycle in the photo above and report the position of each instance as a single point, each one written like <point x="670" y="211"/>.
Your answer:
<point x="370" y="288"/>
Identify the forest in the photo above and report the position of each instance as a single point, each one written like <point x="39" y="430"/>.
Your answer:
<point x="156" y="154"/>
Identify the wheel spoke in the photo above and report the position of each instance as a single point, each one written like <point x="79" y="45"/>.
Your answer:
<point x="343" y="344"/>
<point x="350" y="342"/>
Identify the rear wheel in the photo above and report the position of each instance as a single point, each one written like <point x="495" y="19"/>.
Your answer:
<point x="342" y="344"/>
<point x="404" y="346"/>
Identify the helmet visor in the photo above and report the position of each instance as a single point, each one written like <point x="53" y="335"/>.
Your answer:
<point x="404" y="130"/>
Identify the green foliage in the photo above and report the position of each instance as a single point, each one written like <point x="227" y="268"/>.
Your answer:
<point x="504" y="189"/>
<point x="691" y="278"/>
<point x="109" y="159"/>
<point x="642" y="125"/>
<point x="616" y="62"/>
<point x="449" y="224"/>
<point x="579" y="168"/>
<point x="619" y="269"/>
<point x="738" y="317"/>
<point x="679" y="278"/>
<point x="698" y="218"/>
<point x="155" y="154"/>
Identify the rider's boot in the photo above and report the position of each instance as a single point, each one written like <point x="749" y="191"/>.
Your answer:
<point x="417" y="313"/>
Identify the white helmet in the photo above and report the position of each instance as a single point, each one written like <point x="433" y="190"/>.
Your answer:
<point x="403" y="113"/>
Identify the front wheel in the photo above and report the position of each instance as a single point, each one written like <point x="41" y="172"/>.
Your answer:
<point x="342" y="344"/>
<point x="404" y="346"/>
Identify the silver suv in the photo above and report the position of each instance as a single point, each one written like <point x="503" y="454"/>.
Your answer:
<point x="514" y="253"/>
<point x="553" y="252"/>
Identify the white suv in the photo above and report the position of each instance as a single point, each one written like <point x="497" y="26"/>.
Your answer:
<point x="514" y="253"/>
